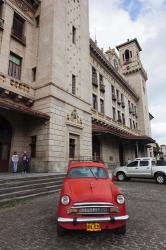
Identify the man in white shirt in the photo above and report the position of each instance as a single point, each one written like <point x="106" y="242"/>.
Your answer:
<point x="15" y="159"/>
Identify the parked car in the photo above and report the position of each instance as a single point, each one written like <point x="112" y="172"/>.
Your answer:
<point x="141" y="168"/>
<point x="90" y="201"/>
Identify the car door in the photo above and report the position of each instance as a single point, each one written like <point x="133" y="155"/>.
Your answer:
<point x="144" y="169"/>
<point x="132" y="169"/>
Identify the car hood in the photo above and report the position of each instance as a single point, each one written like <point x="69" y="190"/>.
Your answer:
<point x="84" y="190"/>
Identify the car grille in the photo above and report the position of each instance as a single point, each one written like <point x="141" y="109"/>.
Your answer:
<point x="90" y="208"/>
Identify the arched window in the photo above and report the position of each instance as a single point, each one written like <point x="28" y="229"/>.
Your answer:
<point x="127" y="55"/>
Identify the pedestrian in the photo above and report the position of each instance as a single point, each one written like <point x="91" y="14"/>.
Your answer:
<point x="25" y="162"/>
<point x="15" y="159"/>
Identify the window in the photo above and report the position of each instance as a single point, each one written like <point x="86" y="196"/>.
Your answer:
<point x="73" y="34"/>
<point x="37" y="20"/>
<point x="18" y="26"/>
<point x="101" y="79"/>
<point x="113" y="114"/>
<point x="34" y="74"/>
<point x="123" y="119"/>
<point x="73" y="84"/>
<point x="119" y="117"/>
<point x="72" y="148"/>
<point x="144" y="163"/>
<point x="102" y="106"/>
<point x="127" y="55"/>
<point x="95" y="102"/>
<point x="130" y="123"/>
<point x="14" y="66"/>
<point x="87" y="172"/>
<point x="133" y="164"/>
<point x="94" y="77"/>
<point x="1" y="8"/>
<point x="33" y="146"/>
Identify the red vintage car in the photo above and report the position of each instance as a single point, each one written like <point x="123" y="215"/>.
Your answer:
<point x="90" y="201"/>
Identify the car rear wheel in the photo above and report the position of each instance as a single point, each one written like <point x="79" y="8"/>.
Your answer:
<point x="60" y="230"/>
<point x="160" y="178"/>
<point x="121" y="176"/>
<point x="121" y="230"/>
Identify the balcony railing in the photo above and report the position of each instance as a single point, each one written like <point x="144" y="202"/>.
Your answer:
<point x="18" y="36"/>
<point x="1" y="23"/>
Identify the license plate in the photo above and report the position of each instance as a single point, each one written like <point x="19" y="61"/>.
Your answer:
<point x="93" y="227"/>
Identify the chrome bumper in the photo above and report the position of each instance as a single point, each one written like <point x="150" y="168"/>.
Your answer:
<point x="94" y="219"/>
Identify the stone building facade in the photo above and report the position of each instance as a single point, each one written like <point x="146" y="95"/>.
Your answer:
<point x="47" y="90"/>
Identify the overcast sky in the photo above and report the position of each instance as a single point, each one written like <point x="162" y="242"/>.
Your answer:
<point x="114" y="21"/>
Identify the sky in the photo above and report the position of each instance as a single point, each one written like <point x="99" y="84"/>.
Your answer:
<point x="112" y="22"/>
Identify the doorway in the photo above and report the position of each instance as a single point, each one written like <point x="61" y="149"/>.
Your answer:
<point x="96" y="148"/>
<point x="5" y="144"/>
<point x="121" y="154"/>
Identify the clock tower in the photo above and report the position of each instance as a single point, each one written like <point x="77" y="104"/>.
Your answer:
<point x="134" y="72"/>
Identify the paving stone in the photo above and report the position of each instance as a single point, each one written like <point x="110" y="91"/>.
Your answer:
<point x="31" y="225"/>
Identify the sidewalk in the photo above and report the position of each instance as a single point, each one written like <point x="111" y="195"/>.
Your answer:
<point x="8" y="176"/>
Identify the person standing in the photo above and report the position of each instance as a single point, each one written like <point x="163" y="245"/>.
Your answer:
<point x="25" y="162"/>
<point x="15" y="159"/>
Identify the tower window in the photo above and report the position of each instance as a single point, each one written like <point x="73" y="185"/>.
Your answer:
<point x="74" y="34"/>
<point x="127" y="55"/>
<point x="73" y="84"/>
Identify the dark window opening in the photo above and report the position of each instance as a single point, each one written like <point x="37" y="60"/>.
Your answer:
<point x="123" y="119"/>
<point x="95" y="102"/>
<point x="73" y="84"/>
<point x="130" y="123"/>
<point x="102" y="106"/>
<point x="14" y="66"/>
<point x="113" y="113"/>
<point x="100" y="79"/>
<point x="34" y="74"/>
<point x="33" y="146"/>
<point x="1" y="8"/>
<point x="127" y="55"/>
<point x="73" y="34"/>
<point x="72" y="148"/>
<point x="37" y="20"/>
<point x="18" y="27"/>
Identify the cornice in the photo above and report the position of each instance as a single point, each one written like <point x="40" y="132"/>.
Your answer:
<point x="97" y="53"/>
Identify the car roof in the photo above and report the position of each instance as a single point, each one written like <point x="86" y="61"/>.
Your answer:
<point x="86" y="164"/>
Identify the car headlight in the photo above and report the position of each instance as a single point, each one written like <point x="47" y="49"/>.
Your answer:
<point x="65" y="200"/>
<point x="120" y="199"/>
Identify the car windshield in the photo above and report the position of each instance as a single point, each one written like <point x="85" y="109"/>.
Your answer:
<point x="87" y="172"/>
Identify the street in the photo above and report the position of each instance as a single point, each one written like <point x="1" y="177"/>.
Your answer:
<point x="30" y="225"/>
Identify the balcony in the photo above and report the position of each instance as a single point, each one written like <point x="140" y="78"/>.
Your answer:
<point x="94" y="80"/>
<point x="1" y="23"/>
<point x="102" y="87"/>
<point x="19" y="37"/>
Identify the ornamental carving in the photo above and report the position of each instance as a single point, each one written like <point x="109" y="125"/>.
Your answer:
<point x="74" y="118"/>
<point x="24" y="7"/>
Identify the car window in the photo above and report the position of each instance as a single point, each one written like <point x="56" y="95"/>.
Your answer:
<point x="87" y="172"/>
<point x="153" y="163"/>
<point x="133" y="164"/>
<point x="144" y="163"/>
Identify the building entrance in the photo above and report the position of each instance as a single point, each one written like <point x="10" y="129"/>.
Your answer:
<point x="5" y="144"/>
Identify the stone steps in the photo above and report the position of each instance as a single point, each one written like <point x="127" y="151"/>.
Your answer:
<point x="14" y="189"/>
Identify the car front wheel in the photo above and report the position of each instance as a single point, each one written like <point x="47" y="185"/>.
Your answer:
<point x="160" y="178"/>
<point x="121" y="176"/>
